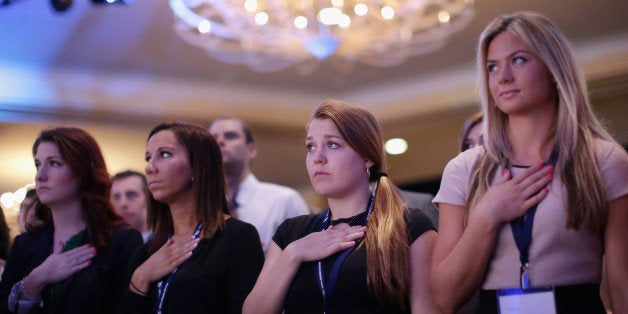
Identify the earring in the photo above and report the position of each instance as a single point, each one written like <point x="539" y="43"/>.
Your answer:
<point x="368" y="172"/>
<point x="192" y="179"/>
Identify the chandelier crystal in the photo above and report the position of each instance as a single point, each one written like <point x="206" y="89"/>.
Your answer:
<point x="272" y="35"/>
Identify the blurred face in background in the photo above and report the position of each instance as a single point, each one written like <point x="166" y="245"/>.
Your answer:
<point x="230" y="136"/>
<point x="129" y="200"/>
<point x="474" y="137"/>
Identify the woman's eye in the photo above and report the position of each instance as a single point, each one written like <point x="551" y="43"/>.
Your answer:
<point x="165" y="154"/>
<point x="518" y="60"/>
<point x="333" y="145"/>
<point x="55" y="163"/>
<point x="491" y="68"/>
<point x="147" y="158"/>
<point x="309" y="147"/>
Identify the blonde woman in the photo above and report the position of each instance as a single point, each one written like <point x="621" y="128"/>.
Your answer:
<point x="545" y="198"/>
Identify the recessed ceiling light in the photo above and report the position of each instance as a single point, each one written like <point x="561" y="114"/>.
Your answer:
<point x="396" y="146"/>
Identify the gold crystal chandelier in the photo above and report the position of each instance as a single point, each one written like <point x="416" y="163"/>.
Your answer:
<point x="271" y="35"/>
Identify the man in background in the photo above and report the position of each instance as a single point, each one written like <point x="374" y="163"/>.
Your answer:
<point x="129" y="195"/>
<point x="422" y="201"/>
<point x="262" y="204"/>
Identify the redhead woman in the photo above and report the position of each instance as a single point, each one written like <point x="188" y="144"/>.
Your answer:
<point x="367" y="253"/>
<point x="76" y="263"/>
<point x="200" y="259"/>
<point x="531" y="213"/>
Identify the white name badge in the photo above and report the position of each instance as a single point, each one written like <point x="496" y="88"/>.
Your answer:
<point x="533" y="301"/>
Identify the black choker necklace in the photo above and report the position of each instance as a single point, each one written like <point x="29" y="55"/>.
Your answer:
<point x="348" y="220"/>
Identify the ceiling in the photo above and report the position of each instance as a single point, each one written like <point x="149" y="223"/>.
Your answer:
<point x="123" y="66"/>
<point x="126" y="59"/>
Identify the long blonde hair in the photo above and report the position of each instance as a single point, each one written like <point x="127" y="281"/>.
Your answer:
<point x="387" y="249"/>
<point x="576" y="125"/>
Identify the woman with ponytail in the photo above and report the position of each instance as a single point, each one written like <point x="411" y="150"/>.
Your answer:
<point x="367" y="253"/>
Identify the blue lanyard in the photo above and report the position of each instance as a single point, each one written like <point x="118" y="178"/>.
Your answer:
<point x="522" y="230"/>
<point x="162" y="286"/>
<point x="329" y="286"/>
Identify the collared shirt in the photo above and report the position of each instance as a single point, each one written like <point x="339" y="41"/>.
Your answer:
<point x="147" y="235"/>
<point x="266" y="205"/>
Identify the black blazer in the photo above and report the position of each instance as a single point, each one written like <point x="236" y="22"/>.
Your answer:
<point x="95" y="289"/>
<point x="216" y="279"/>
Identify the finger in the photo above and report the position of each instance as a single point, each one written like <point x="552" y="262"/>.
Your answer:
<point x="539" y="184"/>
<point x="80" y="266"/>
<point x="526" y="173"/>
<point x="354" y="236"/>
<point x="169" y="242"/>
<point x="342" y="246"/>
<point x="191" y="242"/>
<point x="82" y="260"/>
<point x="166" y="246"/>
<point x="341" y="237"/>
<point x="536" y="198"/>
<point x="358" y="228"/>
<point x="179" y="260"/>
<point x="191" y="245"/>
<point x="82" y="252"/>
<point x="536" y="181"/>
<point x="58" y="248"/>
<point x="180" y="248"/>
<point x="88" y="252"/>
<point x="81" y="249"/>
<point x="79" y="257"/>
<point x="536" y="175"/>
<point x="343" y="226"/>
<point x="505" y="176"/>
<point x="181" y="241"/>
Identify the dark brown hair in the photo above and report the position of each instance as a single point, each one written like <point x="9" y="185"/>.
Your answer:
<point x="469" y="124"/>
<point x="208" y="185"/>
<point x="41" y="212"/>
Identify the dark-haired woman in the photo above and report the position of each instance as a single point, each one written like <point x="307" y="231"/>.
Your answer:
<point x="200" y="259"/>
<point x="77" y="262"/>
<point x="471" y="133"/>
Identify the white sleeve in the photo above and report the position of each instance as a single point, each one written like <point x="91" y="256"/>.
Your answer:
<point x="454" y="185"/>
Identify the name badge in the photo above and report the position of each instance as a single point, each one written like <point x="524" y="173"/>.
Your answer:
<point x="519" y="301"/>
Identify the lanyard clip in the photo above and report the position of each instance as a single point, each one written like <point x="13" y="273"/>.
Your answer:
<point x="525" y="280"/>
